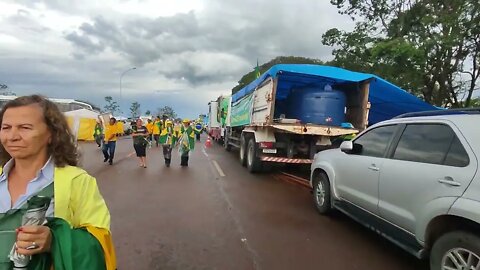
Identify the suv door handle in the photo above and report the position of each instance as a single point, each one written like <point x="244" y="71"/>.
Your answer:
<point x="449" y="181"/>
<point x="374" y="168"/>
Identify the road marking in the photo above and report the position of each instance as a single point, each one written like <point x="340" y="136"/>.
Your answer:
<point x="219" y="170"/>
<point x="204" y="152"/>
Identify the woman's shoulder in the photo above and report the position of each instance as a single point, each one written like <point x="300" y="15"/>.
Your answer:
<point x="70" y="173"/>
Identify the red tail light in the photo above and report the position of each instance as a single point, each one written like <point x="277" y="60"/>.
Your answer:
<point x="266" y="145"/>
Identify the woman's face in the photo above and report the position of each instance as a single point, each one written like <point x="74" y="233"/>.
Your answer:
<point x="139" y="122"/>
<point x="24" y="133"/>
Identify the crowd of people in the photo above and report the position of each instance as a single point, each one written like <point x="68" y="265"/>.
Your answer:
<point x="161" y="131"/>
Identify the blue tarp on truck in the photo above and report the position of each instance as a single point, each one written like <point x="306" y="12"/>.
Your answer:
<point x="387" y="100"/>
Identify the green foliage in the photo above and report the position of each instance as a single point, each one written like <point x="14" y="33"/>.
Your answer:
<point x="148" y="113"/>
<point x="474" y="103"/>
<point x="430" y="48"/>
<point x="251" y="76"/>
<point x="168" y="111"/>
<point x="135" y="110"/>
<point x="111" y="106"/>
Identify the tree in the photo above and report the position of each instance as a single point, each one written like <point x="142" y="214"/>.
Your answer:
<point x="111" y="106"/>
<point x="250" y="77"/>
<point x="135" y="110"/>
<point x="5" y="91"/>
<point x="168" y="111"/>
<point x="429" y="47"/>
<point x="148" y="113"/>
<point x="474" y="103"/>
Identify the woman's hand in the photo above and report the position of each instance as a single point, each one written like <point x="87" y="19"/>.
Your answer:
<point x="33" y="240"/>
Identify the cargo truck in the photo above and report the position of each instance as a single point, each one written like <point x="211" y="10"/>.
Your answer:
<point x="291" y="112"/>
<point x="213" y="125"/>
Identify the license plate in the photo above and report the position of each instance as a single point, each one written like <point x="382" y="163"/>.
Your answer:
<point x="270" y="151"/>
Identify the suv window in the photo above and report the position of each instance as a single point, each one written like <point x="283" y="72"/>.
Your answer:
<point x="430" y="143"/>
<point x="457" y="156"/>
<point x="374" y="142"/>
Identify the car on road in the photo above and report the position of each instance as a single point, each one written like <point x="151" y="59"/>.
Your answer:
<point x="415" y="180"/>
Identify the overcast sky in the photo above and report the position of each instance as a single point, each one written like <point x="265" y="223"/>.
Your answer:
<point x="187" y="52"/>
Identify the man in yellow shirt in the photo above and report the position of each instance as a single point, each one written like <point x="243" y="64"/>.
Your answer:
<point x="157" y="126"/>
<point x="110" y="141"/>
<point x="149" y="127"/>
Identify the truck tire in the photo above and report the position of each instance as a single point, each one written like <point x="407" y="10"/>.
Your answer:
<point x="322" y="193"/>
<point x="254" y="164"/>
<point x="226" y="145"/>
<point x="458" y="245"/>
<point x="243" y="150"/>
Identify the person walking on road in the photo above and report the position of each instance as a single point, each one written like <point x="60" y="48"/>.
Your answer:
<point x="198" y="128"/>
<point x="186" y="141"/>
<point x="157" y="126"/>
<point x="110" y="141"/>
<point x="38" y="159"/>
<point x="140" y="142"/>
<point x="97" y="134"/>
<point x="168" y="140"/>
<point x="149" y="127"/>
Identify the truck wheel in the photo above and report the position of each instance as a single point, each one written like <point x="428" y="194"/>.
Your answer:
<point x="243" y="146"/>
<point x="226" y="145"/>
<point x="321" y="193"/>
<point x="456" y="250"/>
<point x="254" y="164"/>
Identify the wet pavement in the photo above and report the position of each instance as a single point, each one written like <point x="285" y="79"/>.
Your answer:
<point x="216" y="215"/>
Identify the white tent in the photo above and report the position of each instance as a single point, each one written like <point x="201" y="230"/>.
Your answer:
<point x="82" y="123"/>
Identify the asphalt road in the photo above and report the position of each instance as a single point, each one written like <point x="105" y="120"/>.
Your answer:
<point x="216" y="215"/>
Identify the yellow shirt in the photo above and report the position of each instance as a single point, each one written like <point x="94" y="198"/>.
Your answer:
<point x="156" y="128"/>
<point x="149" y="127"/>
<point x="111" y="133"/>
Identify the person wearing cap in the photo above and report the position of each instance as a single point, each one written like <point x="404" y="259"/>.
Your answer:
<point x="167" y="140"/>
<point x="186" y="141"/>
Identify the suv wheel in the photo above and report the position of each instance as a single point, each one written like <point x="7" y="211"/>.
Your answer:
<point x="321" y="193"/>
<point x="456" y="250"/>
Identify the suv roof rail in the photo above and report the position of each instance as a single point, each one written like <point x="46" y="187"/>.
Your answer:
<point x="441" y="112"/>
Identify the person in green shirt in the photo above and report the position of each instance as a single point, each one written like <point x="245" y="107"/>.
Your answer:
<point x="98" y="134"/>
<point x="167" y="139"/>
<point x="186" y="141"/>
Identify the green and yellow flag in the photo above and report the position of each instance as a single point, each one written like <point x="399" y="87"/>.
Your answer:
<point x="257" y="71"/>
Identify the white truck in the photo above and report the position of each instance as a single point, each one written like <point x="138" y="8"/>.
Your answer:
<point x="213" y="125"/>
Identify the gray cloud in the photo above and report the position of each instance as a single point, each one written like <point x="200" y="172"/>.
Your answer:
<point x="244" y="30"/>
<point x="200" y="54"/>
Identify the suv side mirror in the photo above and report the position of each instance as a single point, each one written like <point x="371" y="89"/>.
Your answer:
<point x="346" y="147"/>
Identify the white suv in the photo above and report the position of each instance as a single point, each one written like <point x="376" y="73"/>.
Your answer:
<point x="415" y="180"/>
